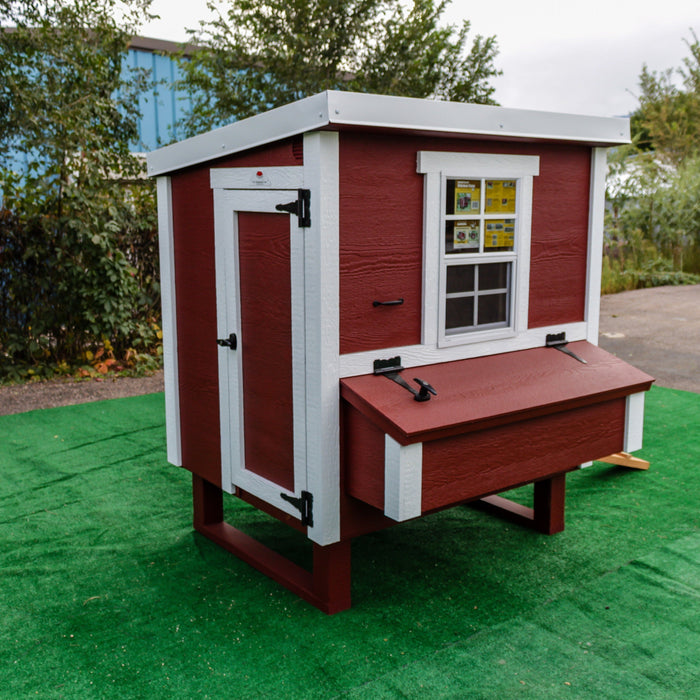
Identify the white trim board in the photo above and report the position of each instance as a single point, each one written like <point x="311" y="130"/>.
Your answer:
<point x="403" y="479"/>
<point x="339" y="109"/>
<point x="322" y="284"/>
<point x="273" y="178"/>
<point x="634" y="422"/>
<point x="354" y="364"/>
<point x="596" y="215"/>
<point x="166" y="246"/>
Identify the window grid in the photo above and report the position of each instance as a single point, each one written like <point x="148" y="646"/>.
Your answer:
<point x="490" y="305"/>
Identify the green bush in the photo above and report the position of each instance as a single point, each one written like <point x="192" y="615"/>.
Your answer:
<point x="79" y="282"/>
<point x="78" y="259"/>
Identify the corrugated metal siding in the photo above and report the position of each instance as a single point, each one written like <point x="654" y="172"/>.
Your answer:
<point x="162" y="106"/>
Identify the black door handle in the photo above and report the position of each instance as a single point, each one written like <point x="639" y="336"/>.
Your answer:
<point x="231" y="342"/>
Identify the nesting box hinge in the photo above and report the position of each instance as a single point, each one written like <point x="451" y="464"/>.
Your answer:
<point x="301" y="207"/>
<point x="558" y="341"/>
<point x="304" y="504"/>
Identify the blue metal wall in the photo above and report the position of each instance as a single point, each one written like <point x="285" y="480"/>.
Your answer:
<point x="162" y="106"/>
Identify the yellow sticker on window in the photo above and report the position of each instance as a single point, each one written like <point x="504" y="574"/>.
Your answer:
<point x="500" y="233"/>
<point x="500" y="197"/>
<point x="467" y="196"/>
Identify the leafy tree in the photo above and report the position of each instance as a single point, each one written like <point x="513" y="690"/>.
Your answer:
<point x="653" y="221"/>
<point x="77" y="209"/>
<point x="258" y="54"/>
<point x="668" y="118"/>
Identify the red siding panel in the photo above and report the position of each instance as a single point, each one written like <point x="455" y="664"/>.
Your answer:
<point x="381" y="233"/>
<point x="559" y="256"/>
<point x="193" y="225"/>
<point x="193" y="230"/>
<point x="363" y="458"/>
<point x="469" y="466"/>
<point x="266" y="346"/>
<point x="381" y="242"/>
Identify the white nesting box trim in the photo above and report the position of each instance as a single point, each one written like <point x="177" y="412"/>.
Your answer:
<point x="634" y="422"/>
<point x="403" y="479"/>
<point x="169" y="323"/>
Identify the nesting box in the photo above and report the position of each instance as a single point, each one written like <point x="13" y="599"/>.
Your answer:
<point x="378" y="307"/>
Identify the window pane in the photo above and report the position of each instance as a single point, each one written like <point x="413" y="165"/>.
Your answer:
<point x="493" y="276"/>
<point x="500" y="235"/>
<point x="460" y="278"/>
<point x="459" y="313"/>
<point x="463" y="196"/>
<point x="462" y="236"/>
<point x="493" y="308"/>
<point x="500" y="197"/>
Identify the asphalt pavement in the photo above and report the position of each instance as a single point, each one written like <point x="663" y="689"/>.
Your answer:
<point x="656" y="330"/>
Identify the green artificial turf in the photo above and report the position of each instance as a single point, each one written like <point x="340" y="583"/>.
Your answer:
<point x="105" y="590"/>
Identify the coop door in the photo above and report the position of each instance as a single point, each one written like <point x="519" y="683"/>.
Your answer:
<point x="260" y="316"/>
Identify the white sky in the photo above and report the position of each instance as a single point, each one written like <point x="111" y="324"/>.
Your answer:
<point x="578" y="56"/>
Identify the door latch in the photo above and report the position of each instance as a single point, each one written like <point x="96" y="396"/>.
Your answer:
<point x="558" y="341"/>
<point x="231" y="342"/>
<point x="390" y="369"/>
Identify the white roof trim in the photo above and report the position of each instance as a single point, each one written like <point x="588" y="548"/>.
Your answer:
<point x="340" y="109"/>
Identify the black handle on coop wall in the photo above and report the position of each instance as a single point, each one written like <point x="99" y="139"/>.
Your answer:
<point x="393" y="302"/>
<point x="231" y="342"/>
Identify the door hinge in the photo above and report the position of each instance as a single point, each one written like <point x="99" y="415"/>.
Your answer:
<point x="305" y="505"/>
<point x="301" y="207"/>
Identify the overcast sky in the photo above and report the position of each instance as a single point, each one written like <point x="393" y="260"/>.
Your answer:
<point x="556" y="55"/>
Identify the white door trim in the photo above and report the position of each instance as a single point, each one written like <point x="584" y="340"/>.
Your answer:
<point x="233" y="472"/>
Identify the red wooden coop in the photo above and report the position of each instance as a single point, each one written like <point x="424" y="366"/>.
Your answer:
<point x="378" y="307"/>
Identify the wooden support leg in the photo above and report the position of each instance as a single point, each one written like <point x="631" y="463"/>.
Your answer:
<point x="547" y="516"/>
<point x="327" y="587"/>
<point x="623" y="459"/>
<point x="550" y="497"/>
<point x="207" y="501"/>
<point x="332" y="575"/>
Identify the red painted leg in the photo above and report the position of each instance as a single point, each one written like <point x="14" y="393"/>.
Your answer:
<point x="332" y="575"/>
<point x="207" y="501"/>
<point x="550" y="497"/>
<point x="327" y="587"/>
<point x="547" y="516"/>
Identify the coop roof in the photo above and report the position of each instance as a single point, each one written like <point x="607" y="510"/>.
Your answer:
<point x="346" y="110"/>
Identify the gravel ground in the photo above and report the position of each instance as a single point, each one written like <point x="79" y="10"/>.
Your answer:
<point x="66" y="392"/>
<point x="657" y="330"/>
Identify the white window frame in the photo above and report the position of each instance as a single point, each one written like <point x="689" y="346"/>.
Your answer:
<point x="438" y="167"/>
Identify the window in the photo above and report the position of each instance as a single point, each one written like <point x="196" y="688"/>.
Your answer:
<point x="480" y="224"/>
<point x="477" y="236"/>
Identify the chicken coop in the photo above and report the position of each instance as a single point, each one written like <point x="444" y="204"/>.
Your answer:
<point x="377" y="307"/>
